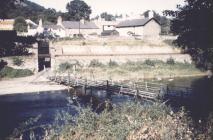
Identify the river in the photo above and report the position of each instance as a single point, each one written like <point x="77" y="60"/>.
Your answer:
<point x="19" y="108"/>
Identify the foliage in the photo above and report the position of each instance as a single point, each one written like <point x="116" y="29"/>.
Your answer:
<point x="18" y="61"/>
<point x="8" y="72"/>
<point x="129" y="121"/>
<point x="2" y="64"/>
<point x="31" y="11"/>
<point x="149" y="62"/>
<point x="65" y="66"/>
<point x="7" y="42"/>
<point x="78" y="9"/>
<point x="11" y="45"/>
<point x="95" y="63"/>
<point x="112" y="63"/>
<point x="193" y="25"/>
<point x="6" y="5"/>
<point x="46" y="35"/>
<point x="170" y="61"/>
<point x="107" y="17"/>
<point x="20" y="24"/>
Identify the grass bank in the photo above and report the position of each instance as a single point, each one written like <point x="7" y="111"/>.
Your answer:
<point x="128" y="121"/>
<point x="133" y="70"/>
<point x="111" y="42"/>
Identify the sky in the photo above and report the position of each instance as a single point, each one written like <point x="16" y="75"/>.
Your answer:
<point x="116" y="6"/>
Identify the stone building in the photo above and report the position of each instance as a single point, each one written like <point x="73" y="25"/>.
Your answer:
<point x="143" y="27"/>
<point x="83" y="27"/>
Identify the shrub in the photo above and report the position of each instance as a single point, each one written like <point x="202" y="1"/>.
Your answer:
<point x="18" y="61"/>
<point x="128" y="121"/>
<point x="112" y="64"/>
<point x="170" y="61"/>
<point x="95" y="63"/>
<point x="84" y="43"/>
<point x="149" y="62"/>
<point x="8" y="72"/>
<point x="65" y="66"/>
<point x="2" y="64"/>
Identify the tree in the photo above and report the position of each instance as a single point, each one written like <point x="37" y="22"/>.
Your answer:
<point x="193" y="25"/>
<point x="78" y="9"/>
<point x="20" y="24"/>
<point x="6" y="5"/>
<point x="107" y="17"/>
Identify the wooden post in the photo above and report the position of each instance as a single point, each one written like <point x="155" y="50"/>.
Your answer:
<point x="68" y="78"/>
<point x="107" y="88"/>
<point x="146" y="86"/>
<point x="85" y="87"/>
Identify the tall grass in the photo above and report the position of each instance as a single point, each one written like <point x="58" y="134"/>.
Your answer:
<point x="129" y="121"/>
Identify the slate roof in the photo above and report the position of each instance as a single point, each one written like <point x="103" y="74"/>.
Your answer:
<point x="33" y="26"/>
<point x="54" y="27"/>
<point x="75" y="25"/>
<point x="135" y="22"/>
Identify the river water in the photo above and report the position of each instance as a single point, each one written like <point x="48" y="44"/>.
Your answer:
<point x="19" y="108"/>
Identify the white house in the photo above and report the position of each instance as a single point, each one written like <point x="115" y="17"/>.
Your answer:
<point x="144" y="27"/>
<point x="78" y="27"/>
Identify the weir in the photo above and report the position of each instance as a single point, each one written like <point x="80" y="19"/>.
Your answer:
<point x="146" y="90"/>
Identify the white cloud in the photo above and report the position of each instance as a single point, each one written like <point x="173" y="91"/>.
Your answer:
<point x="116" y="6"/>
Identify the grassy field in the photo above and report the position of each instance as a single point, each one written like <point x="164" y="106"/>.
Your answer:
<point x="133" y="70"/>
<point x="113" y="42"/>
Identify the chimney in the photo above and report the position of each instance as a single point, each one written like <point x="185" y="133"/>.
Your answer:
<point x="151" y="14"/>
<point x="59" y="21"/>
<point x="40" y="23"/>
<point x="40" y="28"/>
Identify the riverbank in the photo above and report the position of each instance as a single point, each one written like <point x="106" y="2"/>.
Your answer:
<point x="31" y="84"/>
<point x="149" y="69"/>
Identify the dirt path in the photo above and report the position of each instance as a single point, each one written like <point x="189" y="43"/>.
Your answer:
<point x="32" y="84"/>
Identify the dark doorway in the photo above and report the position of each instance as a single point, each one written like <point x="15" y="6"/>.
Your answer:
<point x="44" y="62"/>
<point x="44" y="57"/>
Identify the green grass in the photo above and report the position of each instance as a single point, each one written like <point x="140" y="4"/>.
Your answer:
<point x="128" y="121"/>
<point x="138" y="70"/>
<point x="18" y="61"/>
<point x="9" y="72"/>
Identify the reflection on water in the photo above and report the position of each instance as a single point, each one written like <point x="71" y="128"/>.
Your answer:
<point x="199" y="104"/>
<point x="19" y="108"/>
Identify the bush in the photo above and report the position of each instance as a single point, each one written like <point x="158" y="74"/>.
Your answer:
<point x="149" y="62"/>
<point x="8" y="72"/>
<point x="65" y="66"/>
<point x="170" y="61"/>
<point x="95" y="63"/>
<point x="2" y="64"/>
<point x="112" y="64"/>
<point x="18" y="61"/>
<point x="128" y="121"/>
<point x="84" y="43"/>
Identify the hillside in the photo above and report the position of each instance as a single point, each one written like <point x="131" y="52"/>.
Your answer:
<point x="33" y="11"/>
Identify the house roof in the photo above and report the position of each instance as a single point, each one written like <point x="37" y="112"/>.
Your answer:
<point x="75" y="25"/>
<point x="54" y="27"/>
<point x="135" y="22"/>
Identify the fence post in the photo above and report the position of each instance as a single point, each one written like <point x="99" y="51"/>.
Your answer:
<point x="107" y="88"/>
<point x="68" y="78"/>
<point x="85" y="87"/>
<point x="146" y="86"/>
